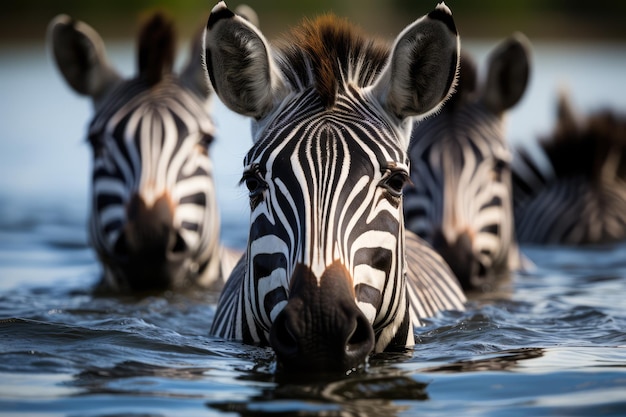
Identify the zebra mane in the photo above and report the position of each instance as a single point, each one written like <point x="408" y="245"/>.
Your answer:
<point x="586" y="146"/>
<point x="329" y="54"/>
<point x="156" y="48"/>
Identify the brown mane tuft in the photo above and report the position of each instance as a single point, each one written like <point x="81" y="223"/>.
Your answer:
<point x="584" y="146"/>
<point x="327" y="53"/>
<point x="156" y="48"/>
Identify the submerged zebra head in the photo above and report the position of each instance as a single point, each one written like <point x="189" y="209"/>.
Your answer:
<point x="154" y="220"/>
<point x="324" y="280"/>
<point x="460" y="198"/>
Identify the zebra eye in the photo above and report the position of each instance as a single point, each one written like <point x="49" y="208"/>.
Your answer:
<point x="500" y="164"/>
<point x="395" y="182"/>
<point x="205" y="140"/>
<point x="499" y="168"/>
<point x="254" y="183"/>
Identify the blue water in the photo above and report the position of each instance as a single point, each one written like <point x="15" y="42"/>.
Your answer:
<point x="551" y="342"/>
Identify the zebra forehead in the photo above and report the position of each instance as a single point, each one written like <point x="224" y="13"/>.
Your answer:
<point x="318" y="139"/>
<point x="329" y="54"/>
<point x="168" y="94"/>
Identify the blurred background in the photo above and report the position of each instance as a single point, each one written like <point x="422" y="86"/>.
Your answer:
<point x="554" y="19"/>
<point x="45" y="161"/>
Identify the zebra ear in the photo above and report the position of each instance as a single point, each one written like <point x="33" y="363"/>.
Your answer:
<point x="423" y="66"/>
<point x="193" y="76"/>
<point x="566" y="115"/>
<point x="508" y="73"/>
<point x="238" y="62"/>
<point x="80" y="56"/>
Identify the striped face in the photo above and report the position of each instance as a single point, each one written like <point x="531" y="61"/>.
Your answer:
<point x="154" y="222"/>
<point x="325" y="191"/>
<point x="461" y="195"/>
<point x="154" y="215"/>
<point x="323" y="279"/>
<point x="577" y="196"/>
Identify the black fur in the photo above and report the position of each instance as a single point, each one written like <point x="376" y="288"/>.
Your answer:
<point x="582" y="147"/>
<point x="156" y="49"/>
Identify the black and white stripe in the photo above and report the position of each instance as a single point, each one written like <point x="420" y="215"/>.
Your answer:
<point x="579" y="196"/>
<point x="460" y="198"/>
<point x="154" y="219"/>
<point x="324" y="278"/>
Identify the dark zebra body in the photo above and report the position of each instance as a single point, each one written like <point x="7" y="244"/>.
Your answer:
<point x="459" y="199"/>
<point x="154" y="219"/>
<point x="579" y="197"/>
<point x="325" y="279"/>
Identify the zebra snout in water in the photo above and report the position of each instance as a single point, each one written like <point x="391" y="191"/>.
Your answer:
<point x="460" y="256"/>
<point x="149" y="250"/>
<point x="321" y="329"/>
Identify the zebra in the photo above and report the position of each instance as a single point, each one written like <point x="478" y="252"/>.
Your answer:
<point x="154" y="220"/>
<point x="329" y="274"/>
<point x="579" y="197"/>
<point x="459" y="199"/>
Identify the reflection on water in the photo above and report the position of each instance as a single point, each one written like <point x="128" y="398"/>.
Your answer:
<point x="551" y="343"/>
<point x="382" y="390"/>
<point x="369" y="394"/>
<point x="501" y="361"/>
<point x="135" y="379"/>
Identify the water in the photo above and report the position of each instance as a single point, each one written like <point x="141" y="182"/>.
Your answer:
<point x="552" y="342"/>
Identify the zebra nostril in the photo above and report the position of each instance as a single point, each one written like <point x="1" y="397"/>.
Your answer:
<point x="179" y="245"/>
<point x="282" y="338"/>
<point x="120" y="248"/>
<point x="361" y="342"/>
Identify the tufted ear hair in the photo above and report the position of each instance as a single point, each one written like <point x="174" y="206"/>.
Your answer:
<point x="508" y="73"/>
<point x="238" y="61"/>
<point x="80" y="55"/>
<point x="422" y="67"/>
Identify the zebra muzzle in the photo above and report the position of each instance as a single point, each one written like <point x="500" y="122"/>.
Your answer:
<point x="321" y="329"/>
<point x="460" y="256"/>
<point x="149" y="251"/>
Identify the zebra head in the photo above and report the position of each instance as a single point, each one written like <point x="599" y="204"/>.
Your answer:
<point x="324" y="280"/>
<point x="577" y="194"/>
<point x="154" y="221"/>
<point x="460" y="199"/>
